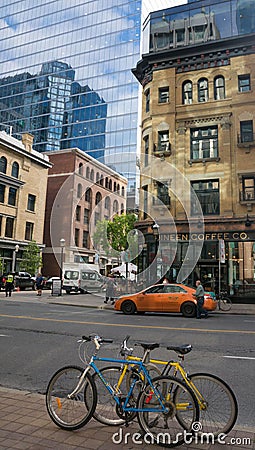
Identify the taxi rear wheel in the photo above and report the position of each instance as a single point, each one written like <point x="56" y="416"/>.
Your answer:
<point x="128" y="307"/>
<point x="188" y="309"/>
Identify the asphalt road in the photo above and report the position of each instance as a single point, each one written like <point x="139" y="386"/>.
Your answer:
<point x="38" y="338"/>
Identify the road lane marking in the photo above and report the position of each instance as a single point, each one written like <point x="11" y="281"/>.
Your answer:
<point x="80" y="322"/>
<point x="4" y="335"/>
<point x="239" y="357"/>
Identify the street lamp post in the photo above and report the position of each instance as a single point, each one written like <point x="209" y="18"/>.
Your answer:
<point x="15" y="258"/>
<point x="62" y="246"/>
<point x="155" y="230"/>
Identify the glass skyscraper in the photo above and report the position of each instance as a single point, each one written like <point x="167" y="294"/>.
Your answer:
<point x="66" y="75"/>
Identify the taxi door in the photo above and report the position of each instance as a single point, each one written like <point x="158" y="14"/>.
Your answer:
<point x="172" y="298"/>
<point x="151" y="299"/>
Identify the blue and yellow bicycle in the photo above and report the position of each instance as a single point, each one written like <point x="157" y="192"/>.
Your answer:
<point x="164" y="406"/>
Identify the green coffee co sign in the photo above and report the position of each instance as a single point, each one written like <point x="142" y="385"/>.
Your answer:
<point x="214" y="236"/>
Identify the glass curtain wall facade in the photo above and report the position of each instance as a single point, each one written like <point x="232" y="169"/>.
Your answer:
<point x="66" y="75"/>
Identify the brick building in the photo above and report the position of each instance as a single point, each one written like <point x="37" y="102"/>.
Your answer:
<point x="23" y="182"/>
<point x="80" y="192"/>
<point x="198" y="161"/>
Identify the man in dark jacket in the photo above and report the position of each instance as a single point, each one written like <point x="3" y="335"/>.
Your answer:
<point x="9" y="285"/>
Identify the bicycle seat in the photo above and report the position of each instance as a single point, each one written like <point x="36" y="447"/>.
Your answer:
<point x="148" y="345"/>
<point x="183" y="349"/>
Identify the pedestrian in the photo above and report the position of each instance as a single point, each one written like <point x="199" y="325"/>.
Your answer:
<point x="165" y="281"/>
<point x="199" y="294"/>
<point x="9" y="285"/>
<point x="39" y="284"/>
<point x="110" y="285"/>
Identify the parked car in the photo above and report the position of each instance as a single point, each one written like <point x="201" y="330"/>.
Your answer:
<point x="170" y="298"/>
<point x="23" y="280"/>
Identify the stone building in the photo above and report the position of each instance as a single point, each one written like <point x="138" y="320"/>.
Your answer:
<point x="23" y="182"/>
<point x="198" y="144"/>
<point x="81" y="191"/>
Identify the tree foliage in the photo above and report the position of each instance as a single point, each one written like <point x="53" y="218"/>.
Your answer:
<point x="1" y="266"/>
<point x="32" y="260"/>
<point x="116" y="236"/>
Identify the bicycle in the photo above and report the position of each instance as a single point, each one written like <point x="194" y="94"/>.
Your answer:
<point x="216" y="400"/>
<point x="224" y="302"/>
<point x="164" y="407"/>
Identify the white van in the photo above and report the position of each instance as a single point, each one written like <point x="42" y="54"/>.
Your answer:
<point x="80" y="278"/>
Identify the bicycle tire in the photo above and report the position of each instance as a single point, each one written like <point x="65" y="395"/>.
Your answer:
<point x="225" y="304"/>
<point x="221" y="410"/>
<point x="156" y="424"/>
<point x="70" y="414"/>
<point x="105" y="411"/>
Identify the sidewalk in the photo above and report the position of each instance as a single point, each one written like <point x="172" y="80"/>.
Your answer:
<point x="25" y="424"/>
<point x="97" y="301"/>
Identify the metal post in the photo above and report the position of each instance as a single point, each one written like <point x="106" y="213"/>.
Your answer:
<point x="14" y="260"/>
<point x="62" y="246"/>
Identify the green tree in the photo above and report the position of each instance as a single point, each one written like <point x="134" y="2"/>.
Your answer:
<point x="1" y="266"/>
<point x="32" y="260"/>
<point x="116" y="236"/>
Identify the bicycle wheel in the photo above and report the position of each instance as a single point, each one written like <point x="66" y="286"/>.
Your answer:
<point x="164" y="428"/>
<point x="70" y="413"/>
<point x="106" y="406"/>
<point x="225" y="304"/>
<point x="217" y="402"/>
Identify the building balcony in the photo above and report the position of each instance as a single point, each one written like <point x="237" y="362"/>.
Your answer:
<point x="162" y="150"/>
<point x="246" y="140"/>
<point x="160" y="202"/>
<point x="247" y="197"/>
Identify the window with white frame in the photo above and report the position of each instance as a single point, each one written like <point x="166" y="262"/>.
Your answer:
<point x="204" y="143"/>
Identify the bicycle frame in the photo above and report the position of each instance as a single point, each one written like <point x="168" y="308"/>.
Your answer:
<point x="168" y="366"/>
<point x="111" y="390"/>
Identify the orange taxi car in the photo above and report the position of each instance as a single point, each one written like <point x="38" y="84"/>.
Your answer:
<point x="171" y="298"/>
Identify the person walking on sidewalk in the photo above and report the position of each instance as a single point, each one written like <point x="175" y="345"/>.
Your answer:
<point x="9" y="285"/>
<point x="110" y="285"/>
<point x="39" y="284"/>
<point x="200" y="300"/>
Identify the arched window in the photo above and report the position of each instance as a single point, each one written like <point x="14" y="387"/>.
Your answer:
<point x="122" y="191"/>
<point x="115" y="206"/>
<point x="15" y="170"/>
<point x="114" y="186"/>
<point x="107" y="203"/>
<point x="101" y="180"/>
<point x="80" y="169"/>
<point x="187" y="93"/>
<point x="79" y="190"/>
<point x="88" y="174"/>
<point x="118" y="188"/>
<point x="97" y="177"/>
<point x="110" y="185"/>
<point x="98" y="198"/>
<point x="88" y="195"/>
<point x="106" y="183"/>
<point x="122" y="209"/>
<point x="92" y="174"/>
<point x="219" y="87"/>
<point x="202" y="90"/>
<point x="3" y="164"/>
